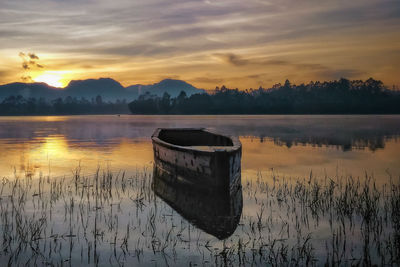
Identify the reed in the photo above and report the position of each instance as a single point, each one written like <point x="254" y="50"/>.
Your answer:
<point x="111" y="218"/>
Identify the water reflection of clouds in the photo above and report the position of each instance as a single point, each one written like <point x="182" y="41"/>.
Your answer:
<point x="292" y="145"/>
<point x="343" y="132"/>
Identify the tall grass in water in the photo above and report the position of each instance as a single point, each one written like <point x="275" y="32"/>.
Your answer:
<point x="113" y="219"/>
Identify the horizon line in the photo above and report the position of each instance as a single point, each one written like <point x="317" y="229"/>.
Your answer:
<point x="392" y="87"/>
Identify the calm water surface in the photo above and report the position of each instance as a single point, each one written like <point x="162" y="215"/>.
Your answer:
<point x="48" y="216"/>
<point x="291" y="146"/>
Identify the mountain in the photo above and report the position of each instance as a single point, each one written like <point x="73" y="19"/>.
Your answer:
<point x="172" y="87"/>
<point x="109" y="89"/>
<point x="27" y="90"/>
<point x="137" y="89"/>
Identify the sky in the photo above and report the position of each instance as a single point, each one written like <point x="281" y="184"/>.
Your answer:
<point x="237" y="43"/>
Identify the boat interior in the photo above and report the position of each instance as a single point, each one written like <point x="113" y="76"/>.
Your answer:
<point x="193" y="137"/>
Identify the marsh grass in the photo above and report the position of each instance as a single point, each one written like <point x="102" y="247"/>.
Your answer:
<point x="110" y="218"/>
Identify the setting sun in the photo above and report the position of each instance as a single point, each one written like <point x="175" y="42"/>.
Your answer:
<point x="51" y="79"/>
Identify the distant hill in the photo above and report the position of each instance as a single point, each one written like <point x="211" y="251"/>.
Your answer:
<point x="172" y="87"/>
<point x="107" y="88"/>
<point x="331" y="97"/>
<point x="27" y="90"/>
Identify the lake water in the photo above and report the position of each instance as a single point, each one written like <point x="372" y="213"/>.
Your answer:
<point x="290" y="146"/>
<point x="315" y="190"/>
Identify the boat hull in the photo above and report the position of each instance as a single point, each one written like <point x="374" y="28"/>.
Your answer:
<point x="209" y="168"/>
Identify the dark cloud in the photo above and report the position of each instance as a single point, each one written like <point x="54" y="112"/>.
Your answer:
<point x="232" y="59"/>
<point x="310" y="66"/>
<point x="87" y="66"/>
<point x="320" y="70"/>
<point x="260" y="79"/>
<point x="341" y="73"/>
<point x="33" y="56"/>
<point x="206" y="80"/>
<point x="236" y="60"/>
<point x="274" y="62"/>
<point x="26" y="79"/>
<point x="25" y="65"/>
<point x="255" y="76"/>
<point x="313" y="69"/>
<point x="29" y="61"/>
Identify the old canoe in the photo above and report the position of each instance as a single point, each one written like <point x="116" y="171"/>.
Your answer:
<point x="198" y="157"/>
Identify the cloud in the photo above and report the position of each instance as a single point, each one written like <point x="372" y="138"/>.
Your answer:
<point x="341" y="73"/>
<point x="26" y="79"/>
<point x="25" y="65"/>
<point x="232" y="59"/>
<point x="148" y="37"/>
<point x="5" y="73"/>
<point x="209" y="80"/>
<point x="29" y="61"/>
<point x="236" y="60"/>
<point x="255" y="76"/>
<point x="33" y="56"/>
<point x="134" y="49"/>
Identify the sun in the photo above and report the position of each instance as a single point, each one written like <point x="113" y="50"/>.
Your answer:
<point x="51" y="79"/>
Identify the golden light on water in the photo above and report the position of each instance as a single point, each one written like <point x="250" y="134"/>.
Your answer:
<point x="59" y="155"/>
<point x="53" y="147"/>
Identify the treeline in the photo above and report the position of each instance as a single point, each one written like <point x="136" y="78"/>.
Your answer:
<point x="18" y="105"/>
<point x="334" y="97"/>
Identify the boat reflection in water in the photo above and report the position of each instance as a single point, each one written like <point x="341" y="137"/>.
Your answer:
<point x="198" y="173"/>
<point x="215" y="212"/>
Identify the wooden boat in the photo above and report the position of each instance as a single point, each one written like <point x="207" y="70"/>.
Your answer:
<point x="198" y="157"/>
<point x="215" y="212"/>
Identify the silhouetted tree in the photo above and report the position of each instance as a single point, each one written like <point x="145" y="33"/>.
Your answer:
<point x="165" y="103"/>
<point x="18" y="105"/>
<point x="334" y="97"/>
<point x="99" y="100"/>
